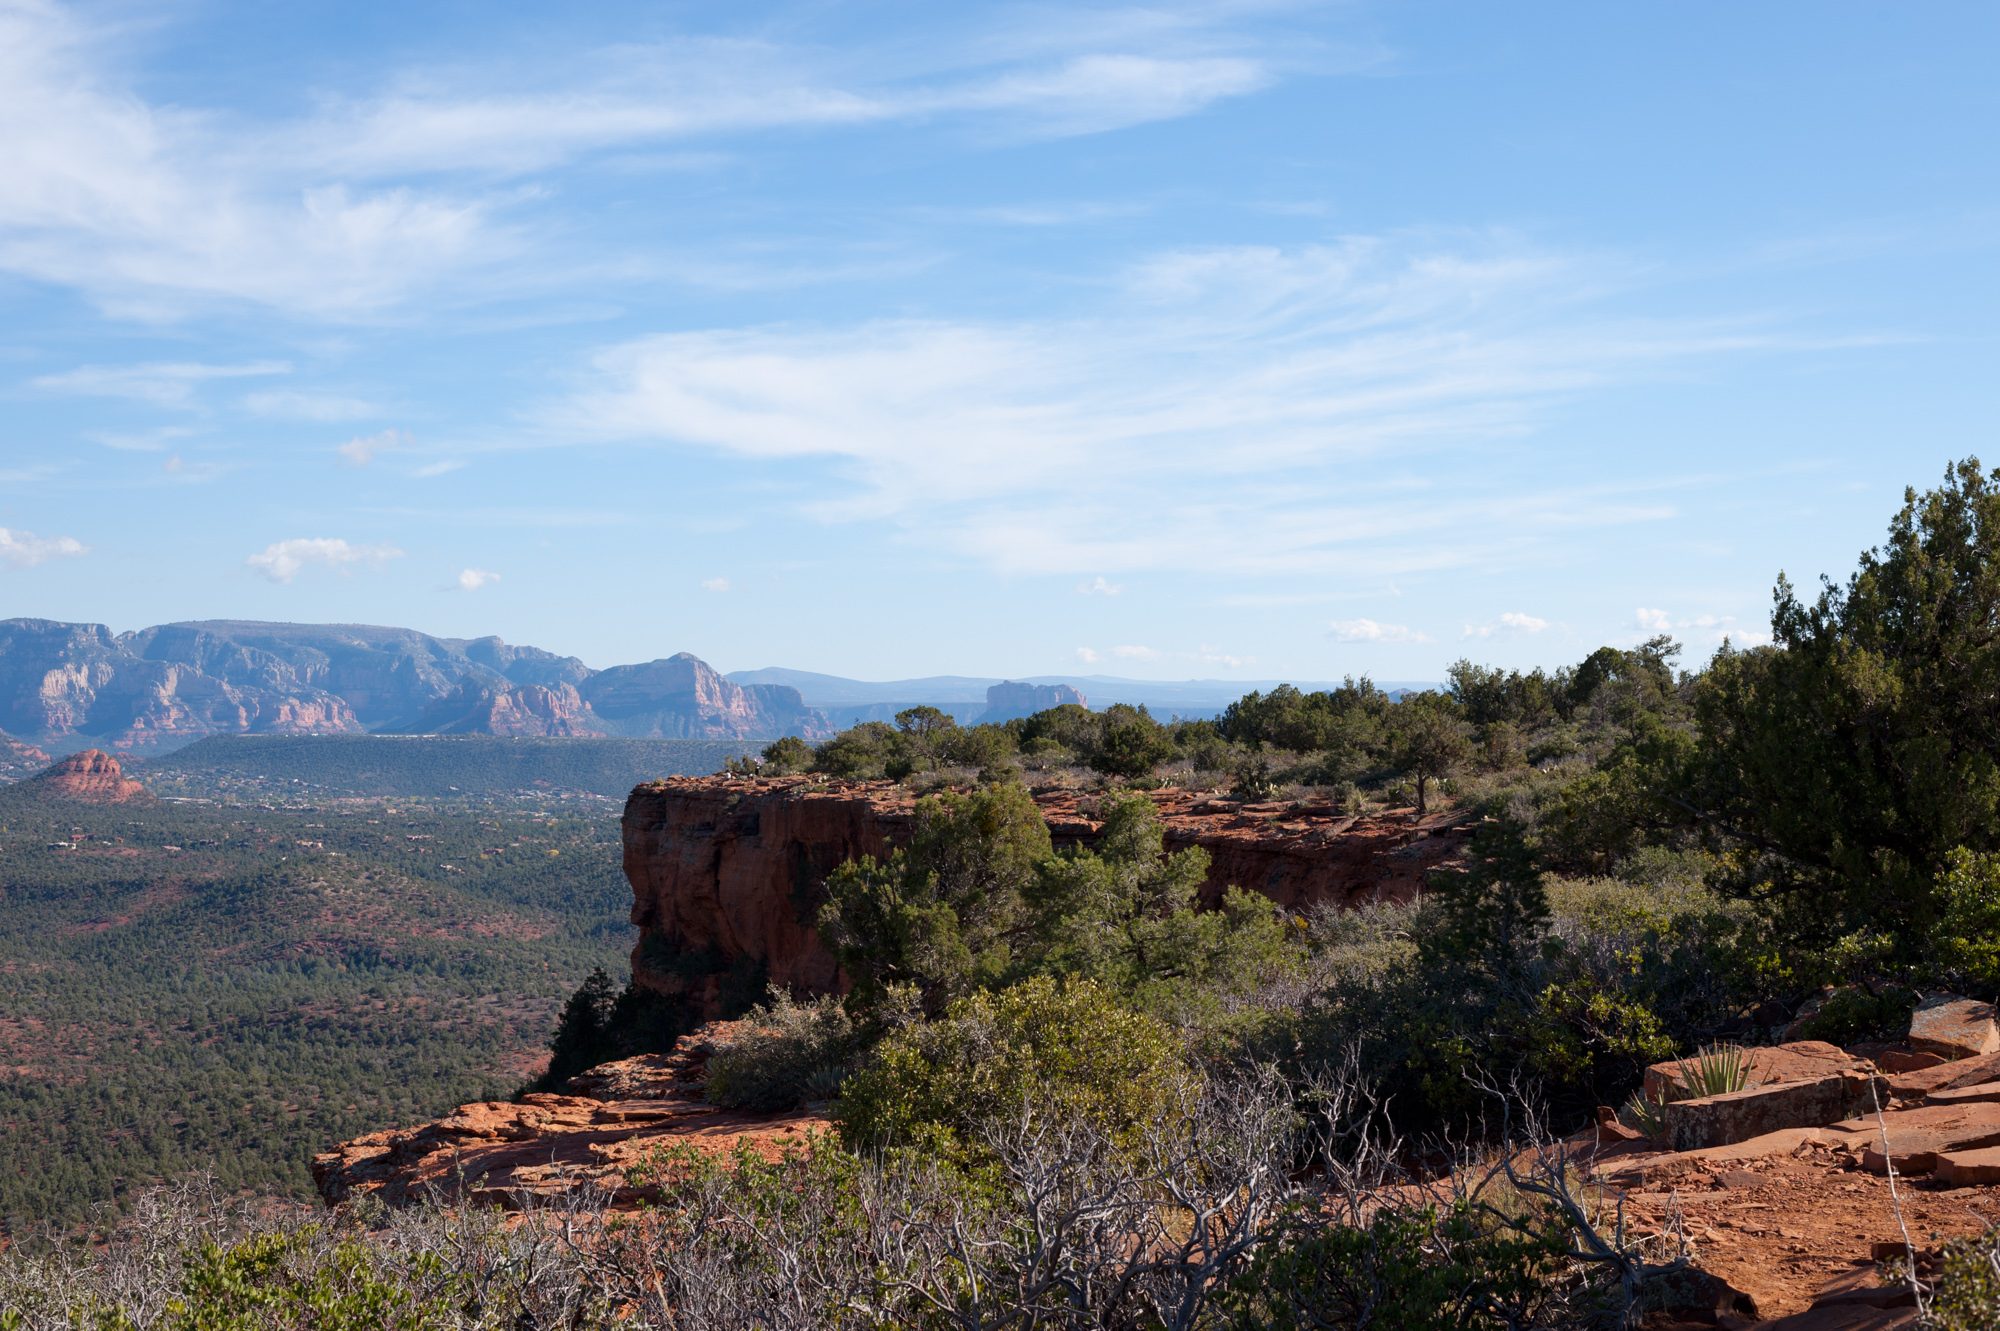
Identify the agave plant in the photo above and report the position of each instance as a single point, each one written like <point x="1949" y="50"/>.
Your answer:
<point x="1715" y="1069"/>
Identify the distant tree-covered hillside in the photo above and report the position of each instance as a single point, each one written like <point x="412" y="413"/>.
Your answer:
<point x="232" y="989"/>
<point x="434" y="765"/>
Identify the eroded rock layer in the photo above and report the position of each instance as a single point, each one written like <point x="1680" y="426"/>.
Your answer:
<point x="727" y="874"/>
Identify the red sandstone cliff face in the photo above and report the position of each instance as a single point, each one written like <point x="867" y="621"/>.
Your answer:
<point x="727" y="873"/>
<point x="91" y="777"/>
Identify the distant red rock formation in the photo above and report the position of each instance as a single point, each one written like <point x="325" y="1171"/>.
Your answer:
<point x="18" y="759"/>
<point x="730" y="871"/>
<point x="90" y="777"/>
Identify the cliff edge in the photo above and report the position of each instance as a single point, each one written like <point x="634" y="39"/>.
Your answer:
<point x="727" y="874"/>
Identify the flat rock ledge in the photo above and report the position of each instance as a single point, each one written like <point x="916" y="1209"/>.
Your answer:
<point x="543" y="1147"/>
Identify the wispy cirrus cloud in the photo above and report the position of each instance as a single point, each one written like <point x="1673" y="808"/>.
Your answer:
<point x="1224" y="402"/>
<point x="307" y="405"/>
<point x="386" y="193"/>
<point x="157" y="383"/>
<point x="281" y="561"/>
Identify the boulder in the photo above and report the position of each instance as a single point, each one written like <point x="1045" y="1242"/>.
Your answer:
<point x="1801" y="1060"/>
<point x="1719" y="1120"/>
<point x="1955" y="1027"/>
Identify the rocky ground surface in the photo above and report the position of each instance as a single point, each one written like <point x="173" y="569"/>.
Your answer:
<point x="1803" y="1224"/>
<point x="612" y="1118"/>
<point x="1806" y="1213"/>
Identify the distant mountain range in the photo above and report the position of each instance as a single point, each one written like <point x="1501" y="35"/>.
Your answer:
<point x="65" y="687"/>
<point x="967" y="697"/>
<point x="69" y="686"/>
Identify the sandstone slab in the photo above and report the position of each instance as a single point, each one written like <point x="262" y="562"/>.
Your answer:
<point x="1955" y="1027"/>
<point x="1911" y="1140"/>
<point x="1945" y="1076"/>
<point x="1962" y="1169"/>
<point x="1976" y="1093"/>
<point x="1737" y="1116"/>
<point x="1800" y="1060"/>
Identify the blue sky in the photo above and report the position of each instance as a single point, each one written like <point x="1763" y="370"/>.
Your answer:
<point x="1234" y="340"/>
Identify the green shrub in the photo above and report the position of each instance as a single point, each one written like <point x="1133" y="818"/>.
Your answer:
<point x="1063" y="1048"/>
<point x="785" y="756"/>
<point x="1968" y="934"/>
<point x="1854" y="1012"/>
<point x="792" y="1054"/>
<point x="1968" y="1286"/>
<point x="1406" y="1270"/>
<point x="273" y="1281"/>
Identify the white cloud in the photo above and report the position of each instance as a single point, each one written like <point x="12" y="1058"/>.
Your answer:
<point x="1214" y="656"/>
<point x="282" y="561"/>
<point x="307" y="406"/>
<point x="443" y="467"/>
<point x="1510" y="623"/>
<point x="715" y="584"/>
<point x="24" y="549"/>
<point x="1087" y="655"/>
<point x="1368" y="630"/>
<point x="1136" y="652"/>
<point x="1706" y="629"/>
<point x="472" y="579"/>
<point x="1224" y="398"/>
<point x="1098" y="586"/>
<point x="160" y="383"/>
<point x="1093" y="93"/>
<point x="138" y="441"/>
<point x="364" y="449"/>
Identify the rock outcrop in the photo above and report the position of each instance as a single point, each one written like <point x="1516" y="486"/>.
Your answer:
<point x="90" y="777"/>
<point x="18" y="760"/>
<point x="727" y="874"/>
<point x="681" y="697"/>
<point x="610" y="1119"/>
<point x="63" y="685"/>
<point x="1007" y="700"/>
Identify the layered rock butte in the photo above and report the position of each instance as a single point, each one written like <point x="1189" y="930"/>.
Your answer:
<point x="727" y="874"/>
<point x="90" y="777"/>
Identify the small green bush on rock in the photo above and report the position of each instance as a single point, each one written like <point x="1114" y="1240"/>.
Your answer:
<point x="1067" y="1049"/>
